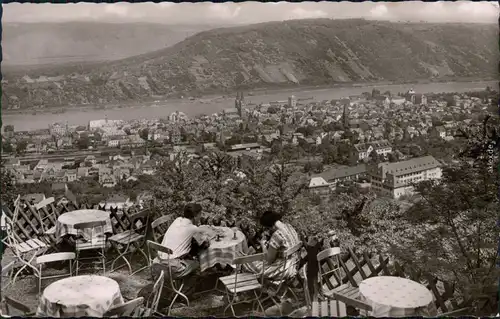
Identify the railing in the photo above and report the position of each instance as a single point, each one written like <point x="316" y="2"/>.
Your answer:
<point x="359" y="266"/>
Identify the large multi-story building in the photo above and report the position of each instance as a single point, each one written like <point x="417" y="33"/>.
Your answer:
<point x="397" y="179"/>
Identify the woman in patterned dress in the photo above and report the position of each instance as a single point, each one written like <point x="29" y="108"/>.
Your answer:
<point x="283" y="236"/>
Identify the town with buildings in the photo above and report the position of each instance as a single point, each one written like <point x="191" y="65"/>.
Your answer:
<point x="368" y="139"/>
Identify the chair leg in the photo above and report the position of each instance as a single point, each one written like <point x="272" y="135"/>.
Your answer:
<point x="120" y="256"/>
<point x="103" y="258"/>
<point x="259" y="302"/>
<point x="77" y="262"/>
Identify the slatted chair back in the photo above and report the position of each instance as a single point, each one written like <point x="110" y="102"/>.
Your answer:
<point x="119" y="220"/>
<point x="158" y="248"/>
<point x="333" y="255"/>
<point x="46" y="212"/>
<point x="139" y="221"/>
<point x="12" y="304"/>
<point x="329" y="308"/>
<point x="44" y="259"/>
<point x="127" y="309"/>
<point x="160" y="226"/>
<point x="96" y="229"/>
<point x="363" y="308"/>
<point x="240" y="261"/>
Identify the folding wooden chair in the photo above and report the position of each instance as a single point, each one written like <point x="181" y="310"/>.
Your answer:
<point x="277" y="290"/>
<point x="134" y="237"/>
<point x="332" y="258"/>
<point x="176" y="288"/>
<point x="21" y="309"/>
<point x="241" y="282"/>
<point x="40" y="261"/>
<point x="96" y="242"/>
<point x="159" y="226"/>
<point x="25" y="252"/>
<point x="128" y="309"/>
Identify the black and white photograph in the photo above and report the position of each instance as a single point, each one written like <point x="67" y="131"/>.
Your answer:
<point x="250" y="159"/>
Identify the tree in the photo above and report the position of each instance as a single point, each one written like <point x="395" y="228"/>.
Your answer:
<point x="9" y="128"/>
<point x="393" y="157"/>
<point x="178" y="182"/>
<point x="7" y="147"/>
<point x="83" y="142"/>
<point x="21" y="146"/>
<point x="144" y="134"/>
<point x="7" y="185"/>
<point x="375" y="93"/>
<point x="375" y="157"/>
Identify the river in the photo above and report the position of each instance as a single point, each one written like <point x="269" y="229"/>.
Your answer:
<point x="42" y="120"/>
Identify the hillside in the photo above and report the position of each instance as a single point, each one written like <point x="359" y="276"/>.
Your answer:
<point x="49" y="43"/>
<point x="298" y="52"/>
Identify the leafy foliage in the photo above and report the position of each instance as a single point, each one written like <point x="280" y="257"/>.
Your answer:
<point x="8" y="188"/>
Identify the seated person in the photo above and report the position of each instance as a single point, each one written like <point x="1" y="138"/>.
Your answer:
<point x="283" y="237"/>
<point x="185" y="239"/>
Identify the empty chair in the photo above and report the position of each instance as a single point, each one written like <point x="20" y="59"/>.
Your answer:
<point x="96" y="243"/>
<point x="332" y="257"/>
<point x="242" y="282"/>
<point x="128" y="309"/>
<point x="40" y="261"/>
<point x="134" y="237"/>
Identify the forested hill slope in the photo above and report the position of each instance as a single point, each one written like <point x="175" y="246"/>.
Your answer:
<point x="297" y="52"/>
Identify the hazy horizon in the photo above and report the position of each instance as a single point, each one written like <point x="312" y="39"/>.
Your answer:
<point x="231" y="13"/>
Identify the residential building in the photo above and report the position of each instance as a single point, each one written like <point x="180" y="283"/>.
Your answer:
<point x="341" y="174"/>
<point x="397" y="179"/>
<point x="362" y="151"/>
<point x="58" y="129"/>
<point x="319" y="186"/>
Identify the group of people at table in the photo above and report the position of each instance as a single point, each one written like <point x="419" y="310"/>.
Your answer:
<point x="188" y="241"/>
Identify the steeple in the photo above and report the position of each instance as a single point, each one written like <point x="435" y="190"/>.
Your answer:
<point x="238" y="103"/>
<point x="345" y="117"/>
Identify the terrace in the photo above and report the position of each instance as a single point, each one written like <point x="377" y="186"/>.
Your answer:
<point x="342" y="274"/>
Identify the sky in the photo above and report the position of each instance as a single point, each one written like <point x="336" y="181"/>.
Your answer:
<point x="252" y="12"/>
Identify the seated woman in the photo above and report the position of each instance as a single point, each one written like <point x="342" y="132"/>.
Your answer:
<point x="283" y="237"/>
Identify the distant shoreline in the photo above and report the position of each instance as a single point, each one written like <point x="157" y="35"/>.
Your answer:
<point x="256" y="92"/>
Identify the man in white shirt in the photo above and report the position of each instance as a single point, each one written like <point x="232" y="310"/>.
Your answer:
<point x="183" y="237"/>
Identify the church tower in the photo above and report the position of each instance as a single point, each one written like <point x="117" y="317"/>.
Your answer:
<point x="238" y="103"/>
<point x="345" y="117"/>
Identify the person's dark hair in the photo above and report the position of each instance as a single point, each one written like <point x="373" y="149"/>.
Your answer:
<point x="192" y="210"/>
<point x="269" y="218"/>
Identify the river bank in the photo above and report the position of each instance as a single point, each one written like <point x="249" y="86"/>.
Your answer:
<point x="215" y="103"/>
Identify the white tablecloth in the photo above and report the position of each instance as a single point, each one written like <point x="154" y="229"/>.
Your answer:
<point x="79" y="296"/>
<point x="397" y="297"/>
<point x="65" y="222"/>
<point x="224" y="251"/>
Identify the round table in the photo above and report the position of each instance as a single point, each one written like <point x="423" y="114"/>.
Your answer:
<point x="397" y="297"/>
<point x="65" y="222"/>
<point x="78" y="296"/>
<point x="224" y="251"/>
